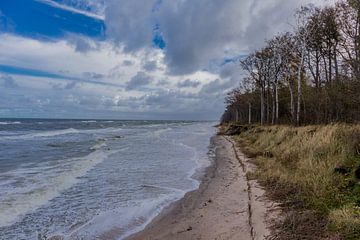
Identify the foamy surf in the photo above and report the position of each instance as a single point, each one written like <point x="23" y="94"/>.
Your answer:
<point x="108" y="225"/>
<point x="54" y="133"/>
<point x="91" y="181"/>
<point x="43" y="134"/>
<point x="10" y="123"/>
<point x="28" y="198"/>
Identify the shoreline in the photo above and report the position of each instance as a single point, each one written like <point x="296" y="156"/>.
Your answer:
<point x="225" y="206"/>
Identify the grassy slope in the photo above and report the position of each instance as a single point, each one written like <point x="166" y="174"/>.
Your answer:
<point x="298" y="166"/>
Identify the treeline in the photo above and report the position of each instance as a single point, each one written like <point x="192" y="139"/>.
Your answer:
<point x="308" y="76"/>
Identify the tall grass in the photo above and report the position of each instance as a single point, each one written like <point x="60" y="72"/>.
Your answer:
<point x="311" y="169"/>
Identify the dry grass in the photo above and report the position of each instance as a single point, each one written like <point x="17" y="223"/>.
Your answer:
<point x="298" y="165"/>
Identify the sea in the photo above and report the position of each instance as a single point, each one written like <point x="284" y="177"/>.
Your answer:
<point x="95" y="179"/>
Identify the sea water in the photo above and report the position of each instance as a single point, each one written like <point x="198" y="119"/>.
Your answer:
<point x="95" y="179"/>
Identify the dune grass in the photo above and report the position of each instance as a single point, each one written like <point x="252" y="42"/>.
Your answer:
<point x="311" y="171"/>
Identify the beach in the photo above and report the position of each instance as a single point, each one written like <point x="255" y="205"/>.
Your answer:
<point x="126" y="180"/>
<point x="226" y="206"/>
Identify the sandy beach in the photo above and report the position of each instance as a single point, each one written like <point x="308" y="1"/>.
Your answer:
<point x="226" y="206"/>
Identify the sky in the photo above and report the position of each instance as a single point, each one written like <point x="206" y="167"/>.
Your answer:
<point x="130" y="59"/>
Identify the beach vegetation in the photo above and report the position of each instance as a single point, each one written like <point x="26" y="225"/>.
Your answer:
<point x="313" y="171"/>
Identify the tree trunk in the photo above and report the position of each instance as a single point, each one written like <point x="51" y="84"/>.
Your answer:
<point x="268" y="102"/>
<point x="273" y="105"/>
<point x="317" y="78"/>
<point x="299" y="92"/>
<point x="292" y="107"/>
<point x="357" y="42"/>
<point x="276" y="103"/>
<point x="249" y="112"/>
<point x="262" y="102"/>
<point x="336" y="63"/>
<point x="325" y="67"/>
<point x="330" y="65"/>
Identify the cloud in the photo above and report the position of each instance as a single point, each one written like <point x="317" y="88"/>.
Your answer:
<point x="81" y="43"/>
<point x="188" y="79"/>
<point x="71" y="85"/>
<point x="127" y="63"/>
<point x="59" y="58"/>
<point x="217" y="87"/>
<point x="130" y="23"/>
<point x="93" y="75"/>
<point x="8" y="81"/>
<point x="139" y="80"/>
<point x="188" y="83"/>
<point x="197" y="31"/>
<point x="150" y="66"/>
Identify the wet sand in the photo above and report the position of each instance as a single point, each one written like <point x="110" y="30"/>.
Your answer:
<point x="226" y="206"/>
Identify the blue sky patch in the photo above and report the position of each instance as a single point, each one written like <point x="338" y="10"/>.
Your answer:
<point x="159" y="41"/>
<point x="27" y="18"/>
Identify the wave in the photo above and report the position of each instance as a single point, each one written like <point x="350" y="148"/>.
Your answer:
<point x="132" y="219"/>
<point x="54" y="133"/>
<point x="61" y="144"/>
<point x="9" y="123"/>
<point x="101" y="144"/>
<point x="48" y="134"/>
<point x="149" y="186"/>
<point x="45" y="184"/>
<point x="44" y="134"/>
<point x="89" y="121"/>
<point x="160" y="132"/>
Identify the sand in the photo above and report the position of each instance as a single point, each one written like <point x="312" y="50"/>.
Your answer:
<point x="226" y="206"/>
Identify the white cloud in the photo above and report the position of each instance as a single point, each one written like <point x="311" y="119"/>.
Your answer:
<point x="198" y="31"/>
<point x="130" y="22"/>
<point x="133" y="78"/>
<point x="131" y="82"/>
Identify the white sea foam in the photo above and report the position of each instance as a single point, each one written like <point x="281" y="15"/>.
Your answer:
<point x="44" y="134"/>
<point x="54" y="133"/>
<point x="48" y="134"/>
<point x="122" y="222"/>
<point x="9" y="123"/>
<point x="99" y="145"/>
<point x="30" y="197"/>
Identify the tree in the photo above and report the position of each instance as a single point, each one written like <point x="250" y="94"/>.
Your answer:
<point x="310" y="75"/>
